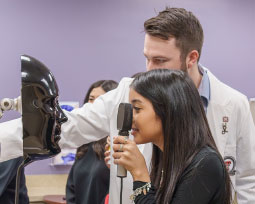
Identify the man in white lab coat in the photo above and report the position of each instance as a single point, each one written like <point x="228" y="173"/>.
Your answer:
<point x="173" y="40"/>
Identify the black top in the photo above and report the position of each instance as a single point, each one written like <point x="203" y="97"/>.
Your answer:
<point x="8" y="172"/>
<point x="204" y="185"/>
<point x="88" y="180"/>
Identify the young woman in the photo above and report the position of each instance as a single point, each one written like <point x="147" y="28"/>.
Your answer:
<point x="186" y="166"/>
<point x="88" y="180"/>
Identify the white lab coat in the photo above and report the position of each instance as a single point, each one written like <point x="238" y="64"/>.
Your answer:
<point x="239" y="140"/>
<point x="95" y="121"/>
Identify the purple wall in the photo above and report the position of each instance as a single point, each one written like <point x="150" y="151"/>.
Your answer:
<point x="82" y="41"/>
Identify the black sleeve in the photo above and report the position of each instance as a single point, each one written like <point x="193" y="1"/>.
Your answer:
<point x="149" y="198"/>
<point x="8" y="172"/>
<point x="70" y="187"/>
<point x="203" y="185"/>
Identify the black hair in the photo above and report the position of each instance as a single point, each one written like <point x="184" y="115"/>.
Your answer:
<point x="177" y="103"/>
<point x="136" y="74"/>
<point x="106" y="85"/>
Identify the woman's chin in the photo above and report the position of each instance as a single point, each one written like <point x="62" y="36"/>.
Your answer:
<point x="139" y="140"/>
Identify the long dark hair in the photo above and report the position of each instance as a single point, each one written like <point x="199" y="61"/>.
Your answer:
<point x="98" y="146"/>
<point x="176" y="101"/>
<point x="106" y="85"/>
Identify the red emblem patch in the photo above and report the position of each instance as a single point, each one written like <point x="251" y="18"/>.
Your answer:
<point x="230" y="163"/>
<point x="225" y="119"/>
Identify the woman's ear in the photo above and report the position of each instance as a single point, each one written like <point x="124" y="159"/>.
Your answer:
<point x="192" y="58"/>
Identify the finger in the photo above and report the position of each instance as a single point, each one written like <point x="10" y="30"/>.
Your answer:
<point x="120" y="161"/>
<point x="107" y="153"/>
<point x="121" y="140"/>
<point x="117" y="161"/>
<point x="106" y="147"/>
<point x="106" y="159"/>
<point x="108" y="140"/>
<point x="118" y="147"/>
<point x="117" y="155"/>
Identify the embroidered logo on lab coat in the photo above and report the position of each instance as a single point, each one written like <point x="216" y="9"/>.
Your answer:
<point x="230" y="163"/>
<point x="224" y="125"/>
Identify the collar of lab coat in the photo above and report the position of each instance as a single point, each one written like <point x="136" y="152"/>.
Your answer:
<point x="217" y="91"/>
<point x="219" y="106"/>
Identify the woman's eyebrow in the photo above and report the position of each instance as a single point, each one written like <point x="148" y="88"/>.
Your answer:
<point x="136" y="101"/>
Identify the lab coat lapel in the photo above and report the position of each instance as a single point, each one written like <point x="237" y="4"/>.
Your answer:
<point x="218" y="114"/>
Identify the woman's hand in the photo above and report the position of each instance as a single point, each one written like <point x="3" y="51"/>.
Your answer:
<point x="127" y="154"/>
<point x="107" y="153"/>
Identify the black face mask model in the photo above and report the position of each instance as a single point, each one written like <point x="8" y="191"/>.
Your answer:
<point x="41" y="115"/>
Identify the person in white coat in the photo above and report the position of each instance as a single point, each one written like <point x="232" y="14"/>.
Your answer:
<point x="173" y="40"/>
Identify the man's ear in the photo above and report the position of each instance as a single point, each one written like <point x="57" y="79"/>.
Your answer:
<point x="192" y="58"/>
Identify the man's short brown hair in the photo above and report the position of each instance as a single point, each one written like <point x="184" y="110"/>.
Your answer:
<point x="180" y="24"/>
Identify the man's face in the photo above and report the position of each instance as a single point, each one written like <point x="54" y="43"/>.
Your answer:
<point x="161" y="53"/>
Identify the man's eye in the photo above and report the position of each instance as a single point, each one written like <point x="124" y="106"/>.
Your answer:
<point x="159" y="61"/>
